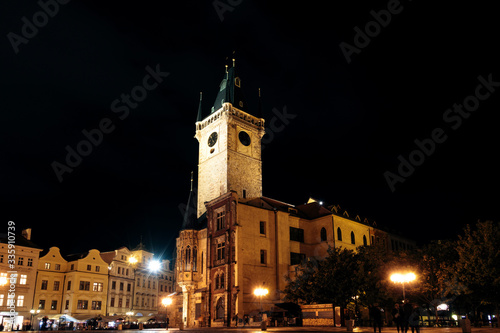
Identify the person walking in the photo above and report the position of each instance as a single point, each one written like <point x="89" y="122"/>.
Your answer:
<point x="407" y="310"/>
<point x="376" y="314"/>
<point x="396" y="316"/>
<point x="414" y="320"/>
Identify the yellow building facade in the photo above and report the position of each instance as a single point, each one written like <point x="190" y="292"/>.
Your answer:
<point x="18" y="267"/>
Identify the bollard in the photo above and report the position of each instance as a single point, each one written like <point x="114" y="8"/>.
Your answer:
<point x="465" y="324"/>
<point x="349" y="325"/>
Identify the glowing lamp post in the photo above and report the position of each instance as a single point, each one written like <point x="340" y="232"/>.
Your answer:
<point x="260" y="292"/>
<point x="403" y="278"/>
<point x="166" y="302"/>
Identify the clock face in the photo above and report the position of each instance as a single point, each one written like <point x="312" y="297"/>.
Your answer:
<point x="212" y="139"/>
<point x="244" y="138"/>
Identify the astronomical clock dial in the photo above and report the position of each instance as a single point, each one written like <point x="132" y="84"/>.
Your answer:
<point x="244" y="138"/>
<point x="212" y="139"/>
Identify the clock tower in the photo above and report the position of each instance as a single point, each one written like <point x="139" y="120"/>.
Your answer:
<point x="229" y="146"/>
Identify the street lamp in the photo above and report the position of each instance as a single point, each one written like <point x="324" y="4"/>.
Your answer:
<point x="403" y="278"/>
<point x="260" y="292"/>
<point x="166" y="302"/>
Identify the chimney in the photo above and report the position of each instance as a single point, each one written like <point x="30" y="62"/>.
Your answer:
<point x="27" y="233"/>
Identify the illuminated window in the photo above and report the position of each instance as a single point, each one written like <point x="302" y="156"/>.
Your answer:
<point x="82" y="304"/>
<point x="41" y="304"/>
<point x="20" y="300"/>
<point x="98" y="286"/>
<point x="23" y="279"/>
<point x="53" y="305"/>
<point x="47" y="265"/>
<point x="1" y="299"/>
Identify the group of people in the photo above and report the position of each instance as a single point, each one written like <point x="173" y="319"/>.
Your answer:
<point x="406" y="315"/>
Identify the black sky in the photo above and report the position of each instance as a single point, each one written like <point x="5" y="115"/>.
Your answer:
<point x="351" y="123"/>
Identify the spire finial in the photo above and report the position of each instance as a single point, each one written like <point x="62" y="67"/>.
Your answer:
<point x="226" y="69"/>
<point x="234" y="62"/>
<point x="201" y="95"/>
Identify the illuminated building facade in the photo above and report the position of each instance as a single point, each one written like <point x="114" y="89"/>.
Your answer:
<point x="17" y="279"/>
<point x="238" y="240"/>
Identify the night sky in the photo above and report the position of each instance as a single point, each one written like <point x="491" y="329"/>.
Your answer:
<point x="348" y="118"/>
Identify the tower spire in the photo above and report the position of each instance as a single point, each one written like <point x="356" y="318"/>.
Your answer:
<point x="198" y="117"/>
<point x="259" y="110"/>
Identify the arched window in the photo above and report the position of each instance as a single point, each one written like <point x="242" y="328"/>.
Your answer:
<point x="195" y="260"/>
<point x="365" y="242"/>
<point x="187" y="259"/>
<point x="339" y="234"/>
<point x="353" y="239"/>
<point x="323" y="234"/>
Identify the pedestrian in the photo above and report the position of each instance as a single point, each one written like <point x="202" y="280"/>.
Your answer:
<point x="167" y="321"/>
<point x="396" y="317"/>
<point x="414" y="320"/>
<point x="236" y="320"/>
<point x="407" y="310"/>
<point x="376" y="314"/>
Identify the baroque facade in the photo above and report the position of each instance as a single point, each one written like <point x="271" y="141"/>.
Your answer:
<point x="239" y="240"/>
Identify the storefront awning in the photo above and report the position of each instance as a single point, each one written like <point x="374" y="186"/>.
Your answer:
<point x="58" y="316"/>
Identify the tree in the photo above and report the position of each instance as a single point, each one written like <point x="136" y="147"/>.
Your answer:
<point x="478" y="264"/>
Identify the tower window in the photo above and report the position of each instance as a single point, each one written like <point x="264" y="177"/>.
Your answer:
<point x="339" y="234"/>
<point x="244" y="194"/>
<point x="353" y="238"/>
<point x="220" y="250"/>
<point x="221" y="220"/>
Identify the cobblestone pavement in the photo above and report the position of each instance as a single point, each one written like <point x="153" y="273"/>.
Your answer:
<point x="299" y="329"/>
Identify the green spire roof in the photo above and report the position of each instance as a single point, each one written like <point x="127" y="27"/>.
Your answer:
<point x="230" y="91"/>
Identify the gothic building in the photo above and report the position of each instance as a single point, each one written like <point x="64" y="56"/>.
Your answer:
<point x="240" y="240"/>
